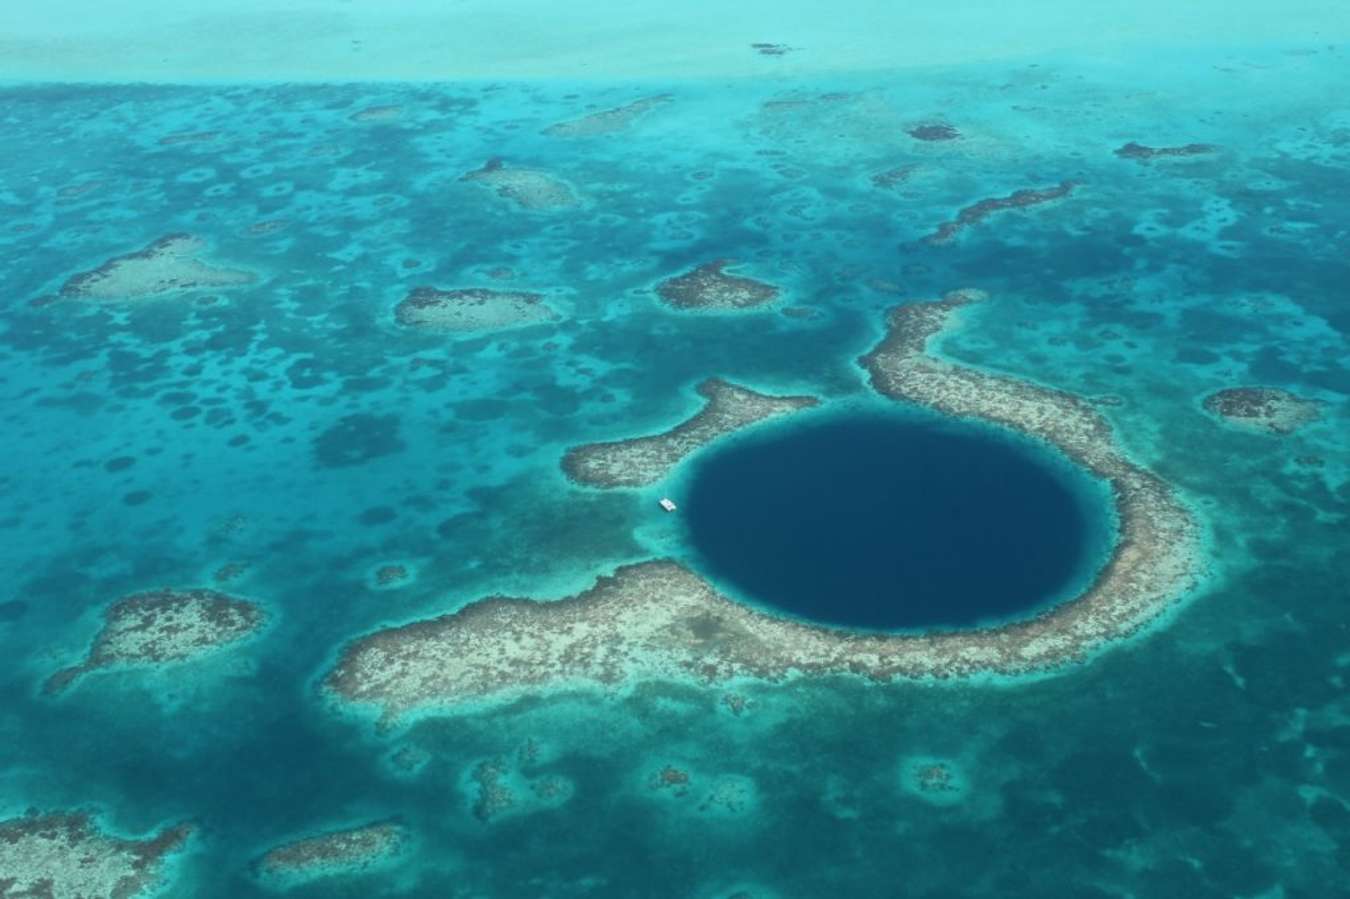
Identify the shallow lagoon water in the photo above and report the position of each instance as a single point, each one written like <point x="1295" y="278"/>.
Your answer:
<point x="893" y="522"/>
<point x="291" y="427"/>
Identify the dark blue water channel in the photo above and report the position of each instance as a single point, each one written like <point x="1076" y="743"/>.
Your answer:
<point x="894" y="522"/>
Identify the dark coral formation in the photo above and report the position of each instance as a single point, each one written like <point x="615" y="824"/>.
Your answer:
<point x="1134" y="150"/>
<point x="892" y="177"/>
<point x="937" y="781"/>
<point x="391" y="575"/>
<point x="335" y="852"/>
<point x="644" y="460"/>
<point x="1263" y="408"/>
<point x="725" y="795"/>
<point x="933" y="131"/>
<point x="163" y="626"/>
<point x="508" y="785"/>
<point x="230" y="571"/>
<point x="64" y="855"/>
<point x="710" y="287"/>
<point x="675" y="780"/>
<point x="978" y="212"/>
<point x="471" y="309"/>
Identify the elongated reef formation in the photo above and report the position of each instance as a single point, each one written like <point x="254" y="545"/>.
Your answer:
<point x="658" y="620"/>
<point x="978" y="212"/>
<point x="1133" y="150"/>
<point x="164" y="626"/>
<point x="169" y="264"/>
<point x="643" y="460"/>
<point x="607" y="121"/>
<point x="64" y="856"/>
<point x="471" y="309"/>
<point x="335" y="852"/>
<point x="710" y="287"/>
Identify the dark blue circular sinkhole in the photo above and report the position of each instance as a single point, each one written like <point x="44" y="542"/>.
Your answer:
<point x="894" y="522"/>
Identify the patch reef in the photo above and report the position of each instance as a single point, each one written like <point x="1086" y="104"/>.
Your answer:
<point x="162" y="627"/>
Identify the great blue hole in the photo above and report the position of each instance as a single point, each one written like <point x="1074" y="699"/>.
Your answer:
<point x="895" y="522"/>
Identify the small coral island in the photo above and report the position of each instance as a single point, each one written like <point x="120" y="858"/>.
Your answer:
<point x="709" y="287"/>
<point x="335" y="852"/>
<point x="644" y="460"/>
<point x="658" y="620"/>
<point x="164" y="626"/>
<point x="471" y="309"/>
<point x="168" y="265"/>
<point x="1267" y="409"/>
<point x="64" y="856"/>
<point x="527" y="188"/>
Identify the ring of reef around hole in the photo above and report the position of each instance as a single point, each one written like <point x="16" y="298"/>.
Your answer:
<point x="658" y="620"/>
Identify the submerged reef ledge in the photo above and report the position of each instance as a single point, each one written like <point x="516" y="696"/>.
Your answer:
<point x="608" y="121"/>
<point x="161" y="627"/>
<point x="168" y="265"/>
<point x="644" y="460"/>
<point x="1267" y="409"/>
<point x="335" y="852"/>
<point x="471" y="309"/>
<point x="45" y="856"/>
<point x="658" y="620"/>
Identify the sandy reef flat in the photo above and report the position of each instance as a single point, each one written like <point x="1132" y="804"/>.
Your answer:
<point x="709" y="287"/>
<point x="658" y="620"/>
<point x="471" y="309"/>
<point x="163" y="627"/>
<point x="530" y="189"/>
<point x="644" y="460"/>
<point x="170" y="264"/>
<point x="65" y="856"/>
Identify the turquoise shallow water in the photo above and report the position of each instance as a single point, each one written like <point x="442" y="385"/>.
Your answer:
<point x="290" y="425"/>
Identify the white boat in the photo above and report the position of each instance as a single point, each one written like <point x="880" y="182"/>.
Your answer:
<point x="668" y="504"/>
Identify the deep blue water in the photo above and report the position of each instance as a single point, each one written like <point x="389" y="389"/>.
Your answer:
<point x="881" y="521"/>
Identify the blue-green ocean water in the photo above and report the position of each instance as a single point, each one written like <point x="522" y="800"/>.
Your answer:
<point x="290" y="425"/>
